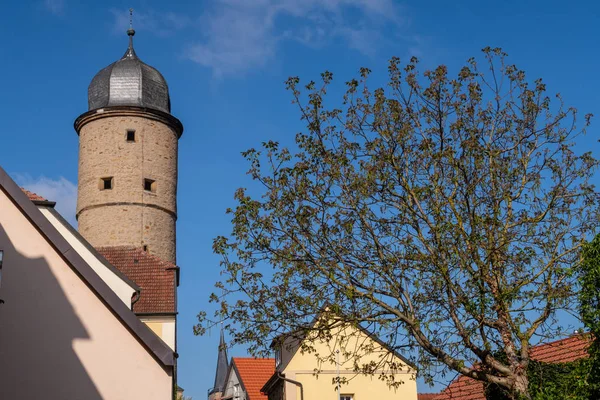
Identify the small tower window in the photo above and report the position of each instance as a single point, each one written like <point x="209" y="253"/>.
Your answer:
<point x="106" y="183"/>
<point x="131" y="135"/>
<point x="150" y="185"/>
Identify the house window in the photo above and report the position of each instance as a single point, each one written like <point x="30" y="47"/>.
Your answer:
<point x="106" y="183"/>
<point x="131" y="135"/>
<point x="346" y="397"/>
<point x="277" y="357"/>
<point x="150" y="185"/>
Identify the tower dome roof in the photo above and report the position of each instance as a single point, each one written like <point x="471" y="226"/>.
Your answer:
<point x="129" y="82"/>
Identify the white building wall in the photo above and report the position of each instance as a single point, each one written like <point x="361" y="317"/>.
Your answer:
<point x="233" y="389"/>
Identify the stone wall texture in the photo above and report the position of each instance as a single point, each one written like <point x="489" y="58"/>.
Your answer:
<point x="127" y="214"/>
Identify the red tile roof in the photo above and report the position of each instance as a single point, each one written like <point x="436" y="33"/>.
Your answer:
<point x="32" y="196"/>
<point x="463" y="388"/>
<point x="254" y="373"/>
<point x="155" y="277"/>
<point x="426" y="396"/>
<point x="564" y="350"/>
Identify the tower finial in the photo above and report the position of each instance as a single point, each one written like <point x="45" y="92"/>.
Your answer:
<point x="130" y="32"/>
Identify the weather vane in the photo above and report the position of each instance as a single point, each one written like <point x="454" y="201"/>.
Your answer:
<point x="131" y="31"/>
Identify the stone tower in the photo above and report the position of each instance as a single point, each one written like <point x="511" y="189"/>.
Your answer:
<point x="127" y="194"/>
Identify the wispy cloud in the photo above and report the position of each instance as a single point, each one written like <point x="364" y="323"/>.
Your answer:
<point x="241" y="35"/>
<point x="160" y="24"/>
<point x="61" y="190"/>
<point x="56" y="7"/>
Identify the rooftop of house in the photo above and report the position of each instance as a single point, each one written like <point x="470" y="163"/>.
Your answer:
<point x="156" y="278"/>
<point x="426" y="396"/>
<point x="564" y="350"/>
<point x="254" y="373"/>
<point x="33" y="196"/>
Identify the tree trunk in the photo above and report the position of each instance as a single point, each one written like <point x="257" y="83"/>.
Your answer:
<point x="521" y="386"/>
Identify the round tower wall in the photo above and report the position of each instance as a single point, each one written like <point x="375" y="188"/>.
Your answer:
<point x="127" y="213"/>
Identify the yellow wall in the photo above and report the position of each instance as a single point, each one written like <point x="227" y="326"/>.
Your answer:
<point x="355" y="349"/>
<point x="163" y="326"/>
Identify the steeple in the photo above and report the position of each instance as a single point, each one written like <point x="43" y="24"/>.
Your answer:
<point x="221" y="373"/>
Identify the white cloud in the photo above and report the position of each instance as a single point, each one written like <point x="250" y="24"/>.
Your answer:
<point x="61" y="190"/>
<point x="240" y="35"/>
<point x="56" y="7"/>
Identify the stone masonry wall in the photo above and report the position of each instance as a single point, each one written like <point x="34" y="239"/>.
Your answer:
<point x="127" y="214"/>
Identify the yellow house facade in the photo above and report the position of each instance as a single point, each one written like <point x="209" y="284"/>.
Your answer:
<point x="363" y="365"/>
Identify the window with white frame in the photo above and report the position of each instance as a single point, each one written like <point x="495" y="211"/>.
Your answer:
<point x="346" y="397"/>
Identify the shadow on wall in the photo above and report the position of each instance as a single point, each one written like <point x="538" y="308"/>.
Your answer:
<point x="38" y="326"/>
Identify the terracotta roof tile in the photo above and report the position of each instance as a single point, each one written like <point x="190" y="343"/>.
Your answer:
<point x="155" y="277"/>
<point x="564" y="350"/>
<point x="462" y="388"/>
<point x="426" y="396"/>
<point x="254" y="373"/>
<point x="32" y="196"/>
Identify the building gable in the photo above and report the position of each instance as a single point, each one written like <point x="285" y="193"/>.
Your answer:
<point x="355" y="345"/>
<point x="365" y="365"/>
<point x="232" y="386"/>
<point x="246" y="377"/>
<point x="64" y="331"/>
<point x="124" y="287"/>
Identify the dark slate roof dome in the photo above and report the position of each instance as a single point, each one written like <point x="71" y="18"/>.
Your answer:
<point x="129" y="82"/>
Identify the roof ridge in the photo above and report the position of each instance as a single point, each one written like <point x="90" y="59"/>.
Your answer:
<point x="140" y="250"/>
<point x="121" y="246"/>
<point x="33" y="196"/>
<point x="157" y="258"/>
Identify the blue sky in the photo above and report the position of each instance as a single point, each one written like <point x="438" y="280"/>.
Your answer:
<point x="225" y="62"/>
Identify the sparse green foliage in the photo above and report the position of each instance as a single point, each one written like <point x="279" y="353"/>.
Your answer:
<point x="442" y="214"/>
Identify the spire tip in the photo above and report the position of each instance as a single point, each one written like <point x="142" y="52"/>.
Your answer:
<point x="130" y="31"/>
